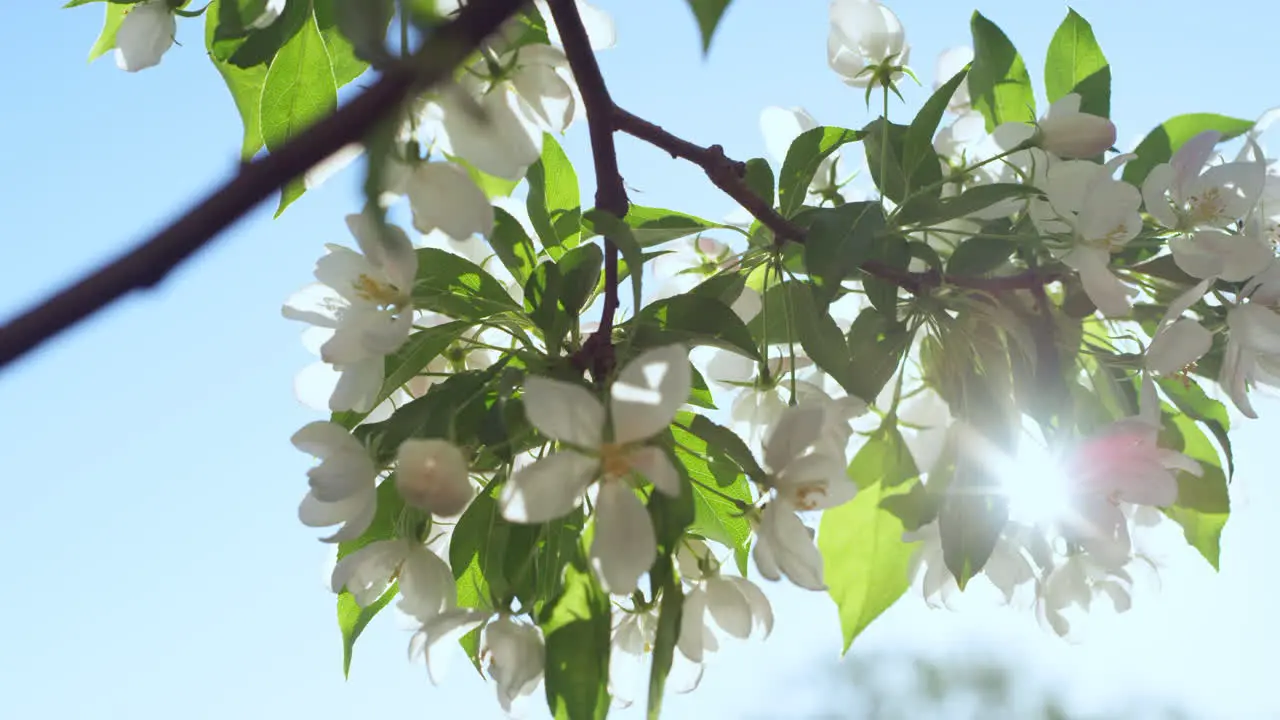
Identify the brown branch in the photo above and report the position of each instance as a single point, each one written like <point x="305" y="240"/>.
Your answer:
<point x="611" y="193"/>
<point x="729" y="176"/>
<point x="149" y="263"/>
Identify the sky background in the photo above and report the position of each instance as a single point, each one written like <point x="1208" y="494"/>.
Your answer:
<point x="154" y="566"/>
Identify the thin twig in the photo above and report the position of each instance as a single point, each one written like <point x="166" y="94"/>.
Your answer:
<point x="611" y="193"/>
<point x="149" y="263"/>
<point x="729" y="175"/>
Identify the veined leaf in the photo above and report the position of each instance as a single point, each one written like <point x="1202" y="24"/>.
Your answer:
<point x="998" y="79"/>
<point x="245" y="85"/>
<point x="804" y="156"/>
<point x="1161" y="143"/>
<point x="708" y="14"/>
<point x="1075" y="63"/>
<point x="555" y="208"/>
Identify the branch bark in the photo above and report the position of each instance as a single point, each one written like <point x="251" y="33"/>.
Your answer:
<point x="149" y="263"/>
<point x="611" y="193"/>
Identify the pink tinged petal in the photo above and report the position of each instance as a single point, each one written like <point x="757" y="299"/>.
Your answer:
<point x="729" y="607"/>
<point x="648" y="392"/>
<point x="1153" y="485"/>
<point x="427" y="587"/>
<point x="366" y="573"/>
<point x="1177" y="346"/>
<point x="564" y="411"/>
<point x="1189" y="160"/>
<point x="1154" y="190"/>
<point x="358" y="386"/>
<point x="624" y="546"/>
<point x="761" y="609"/>
<point x="1256" y="327"/>
<point x="692" y="625"/>
<point x="549" y="488"/>
<point x="654" y="464"/>
<point x="442" y="195"/>
<point x="1107" y="292"/>
<point x="796" y="431"/>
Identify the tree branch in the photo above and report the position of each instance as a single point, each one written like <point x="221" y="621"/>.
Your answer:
<point x="729" y="176"/>
<point x="611" y="193"/>
<point x="149" y="263"/>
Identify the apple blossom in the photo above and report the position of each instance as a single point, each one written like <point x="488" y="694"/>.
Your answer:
<point x="864" y="34"/>
<point x="1178" y="341"/>
<point x="643" y="401"/>
<point x="343" y="490"/>
<point x="145" y="34"/>
<point x="1063" y="131"/>
<point x="427" y="586"/>
<point x="1077" y="582"/>
<point x="1186" y="194"/>
<point x="443" y="196"/>
<point x="1008" y="568"/>
<point x="431" y="474"/>
<point x="513" y="652"/>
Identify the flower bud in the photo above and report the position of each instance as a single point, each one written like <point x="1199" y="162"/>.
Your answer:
<point x="432" y="475"/>
<point x="1071" y="134"/>
<point x="145" y="34"/>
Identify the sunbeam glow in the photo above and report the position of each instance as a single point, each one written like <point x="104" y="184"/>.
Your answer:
<point x="1036" y="482"/>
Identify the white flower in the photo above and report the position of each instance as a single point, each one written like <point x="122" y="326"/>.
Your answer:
<point x="1007" y="568"/>
<point x="643" y="401"/>
<point x="950" y="62"/>
<point x="513" y="651"/>
<point x="736" y="606"/>
<point x="1101" y="215"/>
<point x="366" y="302"/>
<point x="1253" y="349"/>
<point x="516" y="658"/>
<point x="484" y="128"/>
<point x="864" y="33"/>
<point x="804" y="455"/>
<point x="443" y="196"/>
<point x="1063" y="130"/>
<point x="145" y="34"/>
<point x="1183" y="195"/>
<point x="431" y="475"/>
<point x="1077" y="582"/>
<point x="1178" y="342"/>
<point x="343" y="486"/>
<point x="784" y="546"/>
<point x="427" y="586"/>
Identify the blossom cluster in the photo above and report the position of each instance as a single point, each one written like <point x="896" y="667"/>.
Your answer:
<point x="1025" y="391"/>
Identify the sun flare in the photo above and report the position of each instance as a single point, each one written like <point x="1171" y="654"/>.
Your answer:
<point x="1036" y="483"/>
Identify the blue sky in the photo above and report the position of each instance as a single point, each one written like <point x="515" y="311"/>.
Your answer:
<point x="154" y="564"/>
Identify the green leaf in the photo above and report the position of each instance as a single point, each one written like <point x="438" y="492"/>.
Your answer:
<point x="715" y="516"/>
<point x="883" y="459"/>
<point x="1075" y="63"/>
<point x="555" y="209"/>
<point x="883" y="294"/>
<point x="365" y="23"/>
<point x="877" y="343"/>
<point x="246" y="48"/>
<point x="708" y="14"/>
<point x="998" y="79"/>
<point x="581" y="268"/>
<point x="454" y="286"/>
<point x="1203" y="504"/>
<point x="838" y="241"/>
<point x="804" y="156"/>
<point x="577" y="630"/>
<point x="619" y="233"/>
<point x="1161" y="143"/>
<point x="347" y="64"/>
<point x="352" y="620"/>
<point x="453" y="409"/>
<point x="671" y="516"/>
<point x="917" y="146"/>
<point x="980" y="255"/>
<point x="490" y="556"/>
<point x="720" y="439"/>
<point x="654" y="226"/>
<point x="298" y="90"/>
<point x="1191" y="399"/>
<point x="865" y="562"/>
<point x="759" y="179"/>
<point x="885" y="144"/>
<point x="693" y="320"/>
<point x="978" y="197"/>
<point x="110" y="26"/>
<point x="245" y="85"/>
<point x="820" y="336"/>
<point x="492" y="185"/>
<point x="542" y="303"/>
<point x="971" y="518"/>
<point x="512" y="245"/>
<point x="670" y="612"/>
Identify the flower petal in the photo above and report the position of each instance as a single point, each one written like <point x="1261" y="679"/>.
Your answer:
<point x="648" y="392"/>
<point x="427" y="587"/>
<point x="549" y="488"/>
<point x="655" y="465"/>
<point x="564" y="411"/>
<point x="366" y="573"/>
<point x="796" y="431"/>
<point x="624" y="546"/>
<point x="692" y="625"/>
<point x="729" y="607"/>
<point x="1177" y="346"/>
